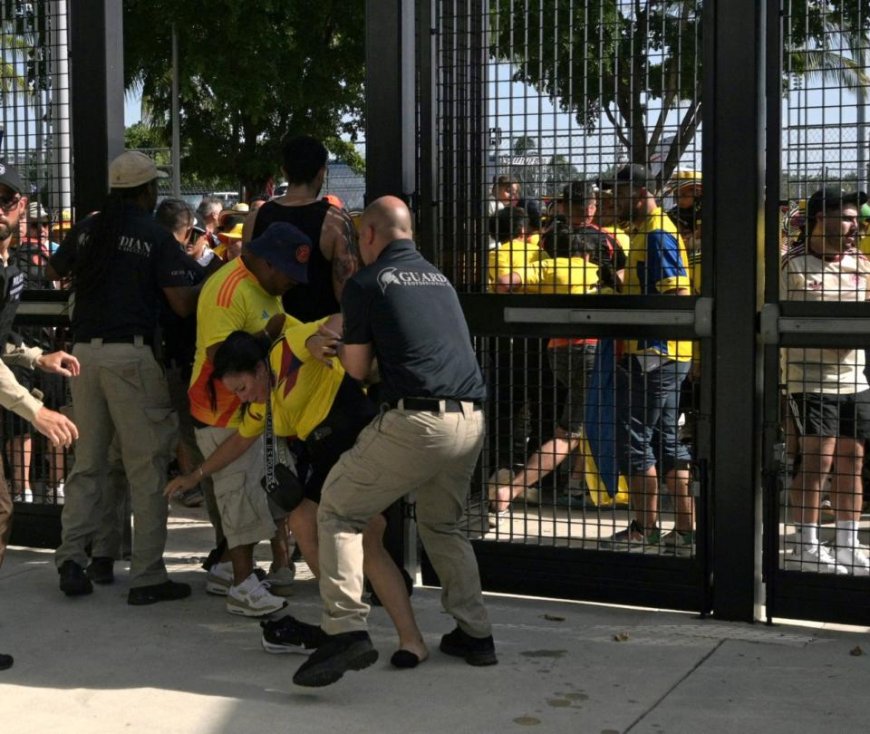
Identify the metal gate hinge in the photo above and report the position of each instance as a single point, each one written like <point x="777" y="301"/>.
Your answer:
<point x="768" y="324"/>
<point x="704" y="317"/>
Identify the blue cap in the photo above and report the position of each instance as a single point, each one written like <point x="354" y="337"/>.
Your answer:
<point x="286" y="248"/>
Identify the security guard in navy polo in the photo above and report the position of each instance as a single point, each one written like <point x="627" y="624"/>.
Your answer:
<point x="427" y="439"/>
<point x="120" y="261"/>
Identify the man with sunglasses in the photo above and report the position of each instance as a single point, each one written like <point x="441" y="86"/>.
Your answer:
<point x="14" y="397"/>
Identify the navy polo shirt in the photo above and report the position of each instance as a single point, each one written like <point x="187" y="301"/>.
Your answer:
<point x="408" y="310"/>
<point x="144" y="259"/>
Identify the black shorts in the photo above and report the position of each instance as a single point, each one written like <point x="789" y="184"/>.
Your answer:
<point x="821" y="414"/>
<point x="351" y="412"/>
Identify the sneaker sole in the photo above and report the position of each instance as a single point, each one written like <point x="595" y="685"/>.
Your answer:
<point x="280" y="589"/>
<point x="77" y="590"/>
<point x="248" y="612"/>
<point x="215" y="588"/>
<point x="327" y="674"/>
<point x="478" y="659"/>
<point x="275" y="648"/>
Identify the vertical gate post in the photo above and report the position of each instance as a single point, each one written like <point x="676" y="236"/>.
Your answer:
<point x="391" y="137"/>
<point x="391" y="121"/>
<point x="97" y="48"/>
<point x="733" y="169"/>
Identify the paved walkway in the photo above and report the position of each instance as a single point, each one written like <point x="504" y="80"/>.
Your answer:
<point x="94" y="665"/>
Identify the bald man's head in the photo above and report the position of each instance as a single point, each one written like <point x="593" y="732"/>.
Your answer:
<point x="386" y="219"/>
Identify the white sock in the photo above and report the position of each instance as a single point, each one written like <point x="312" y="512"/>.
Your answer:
<point x="847" y="533"/>
<point x="809" y="534"/>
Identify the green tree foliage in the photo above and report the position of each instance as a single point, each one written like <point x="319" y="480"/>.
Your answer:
<point x="250" y="74"/>
<point x="609" y="59"/>
<point x="525" y="144"/>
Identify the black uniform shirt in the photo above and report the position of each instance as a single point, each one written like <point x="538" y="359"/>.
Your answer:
<point x="145" y="258"/>
<point x="316" y="298"/>
<point x="410" y="313"/>
<point x="11" y="285"/>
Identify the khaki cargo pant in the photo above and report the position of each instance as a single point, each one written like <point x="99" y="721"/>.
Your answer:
<point x="121" y="389"/>
<point x="431" y="454"/>
<point x="5" y="516"/>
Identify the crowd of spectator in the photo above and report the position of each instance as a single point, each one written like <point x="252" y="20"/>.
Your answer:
<point x="223" y="357"/>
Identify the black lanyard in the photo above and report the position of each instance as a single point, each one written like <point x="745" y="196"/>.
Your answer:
<point x="270" y="445"/>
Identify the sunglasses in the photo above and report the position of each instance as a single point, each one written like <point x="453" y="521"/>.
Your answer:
<point x="8" y="204"/>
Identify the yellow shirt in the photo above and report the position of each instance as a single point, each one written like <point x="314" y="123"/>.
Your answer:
<point x="511" y="257"/>
<point x="571" y="275"/>
<point x="231" y="300"/>
<point x="621" y="237"/>
<point x="657" y="263"/>
<point x="864" y="244"/>
<point x="304" y="388"/>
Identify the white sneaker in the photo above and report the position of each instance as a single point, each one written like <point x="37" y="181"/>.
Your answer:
<point x="219" y="579"/>
<point x="251" y="598"/>
<point x="856" y="560"/>
<point x="817" y="558"/>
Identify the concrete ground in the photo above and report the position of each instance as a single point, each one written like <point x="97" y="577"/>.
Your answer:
<point x="95" y="665"/>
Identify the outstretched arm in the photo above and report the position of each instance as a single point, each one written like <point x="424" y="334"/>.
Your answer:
<point x="221" y="457"/>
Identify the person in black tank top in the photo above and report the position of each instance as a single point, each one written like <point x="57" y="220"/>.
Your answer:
<point x="316" y="299"/>
<point x="334" y="257"/>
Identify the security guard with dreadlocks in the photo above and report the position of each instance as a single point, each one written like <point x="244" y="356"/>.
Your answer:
<point x="120" y="260"/>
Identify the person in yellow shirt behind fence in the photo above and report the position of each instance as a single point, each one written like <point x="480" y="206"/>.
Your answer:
<point x="571" y="271"/>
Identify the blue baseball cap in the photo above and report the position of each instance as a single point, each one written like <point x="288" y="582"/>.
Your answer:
<point x="286" y="248"/>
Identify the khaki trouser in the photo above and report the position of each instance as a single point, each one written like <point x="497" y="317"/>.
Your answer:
<point x="5" y="515"/>
<point x="121" y="389"/>
<point x="432" y="454"/>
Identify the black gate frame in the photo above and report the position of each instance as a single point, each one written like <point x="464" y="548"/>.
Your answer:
<point x="725" y="577"/>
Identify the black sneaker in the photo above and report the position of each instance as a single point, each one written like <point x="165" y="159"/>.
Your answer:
<point x="73" y="581"/>
<point x="475" y="650"/>
<point x="167" y="591"/>
<point x="288" y="634"/>
<point x="337" y="655"/>
<point x="5" y="661"/>
<point x="101" y="570"/>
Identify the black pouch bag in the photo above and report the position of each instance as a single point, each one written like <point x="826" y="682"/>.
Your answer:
<point x="280" y="482"/>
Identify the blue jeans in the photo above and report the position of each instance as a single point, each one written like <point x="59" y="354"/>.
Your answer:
<point x="647" y="411"/>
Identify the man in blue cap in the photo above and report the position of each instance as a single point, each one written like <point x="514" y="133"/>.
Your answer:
<point x="244" y="295"/>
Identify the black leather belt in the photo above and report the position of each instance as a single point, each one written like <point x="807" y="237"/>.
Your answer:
<point x="433" y="405"/>
<point x="133" y="339"/>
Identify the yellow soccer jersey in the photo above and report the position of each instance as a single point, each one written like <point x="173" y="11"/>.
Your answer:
<point x="231" y="300"/>
<point x="571" y="275"/>
<point x="511" y="257"/>
<point x="657" y="263"/>
<point x="304" y="388"/>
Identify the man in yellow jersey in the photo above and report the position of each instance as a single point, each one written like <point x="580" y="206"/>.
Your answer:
<point x="650" y="373"/>
<point x="244" y="295"/>
<point x="578" y="211"/>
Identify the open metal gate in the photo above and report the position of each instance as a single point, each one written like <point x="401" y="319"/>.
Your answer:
<point x="530" y="103"/>
<point x="814" y="487"/>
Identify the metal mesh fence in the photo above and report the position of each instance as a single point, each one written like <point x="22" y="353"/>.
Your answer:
<point x="35" y="132"/>
<point x="822" y="524"/>
<point x="540" y="106"/>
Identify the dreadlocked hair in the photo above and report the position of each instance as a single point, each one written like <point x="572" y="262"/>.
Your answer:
<point x="95" y="253"/>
